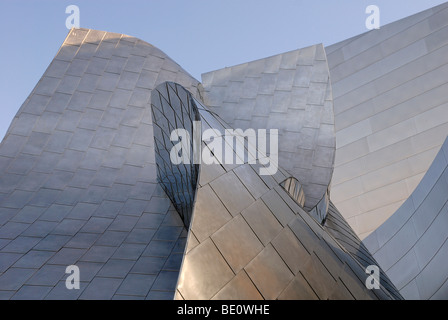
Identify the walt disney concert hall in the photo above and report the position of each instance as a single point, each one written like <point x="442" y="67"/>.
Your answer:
<point x="351" y="203"/>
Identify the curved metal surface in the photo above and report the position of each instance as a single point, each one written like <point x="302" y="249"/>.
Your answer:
<point x="87" y="179"/>
<point x="336" y="225"/>
<point x="412" y="245"/>
<point x="78" y="177"/>
<point x="390" y="114"/>
<point x="290" y="92"/>
<point x="249" y="240"/>
<point x="178" y="181"/>
<point x="295" y="190"/>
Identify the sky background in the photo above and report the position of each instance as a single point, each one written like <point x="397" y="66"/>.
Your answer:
<point x="200" y="35"/>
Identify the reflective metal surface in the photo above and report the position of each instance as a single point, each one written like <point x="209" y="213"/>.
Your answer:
<point x="78" y="178"/>
<point x="295" y="190"/>
<point x="170" y="111"/>
<point x="86" y="175"/>
<point x="290" y="92"/>
<point x="411" y="246"/>
<point x="246" y="240"/>
<point x="390" y="114"/>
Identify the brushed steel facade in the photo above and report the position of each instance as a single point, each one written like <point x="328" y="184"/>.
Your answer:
<point x="79" y="181"/>
<point x="87" y="178"/>
<point x="290" y="92"/>
<point x="412" y="245"/>
<point x="249" y="237"/>
<point x="391" y="114"/>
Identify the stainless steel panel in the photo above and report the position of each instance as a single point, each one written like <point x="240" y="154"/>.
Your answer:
<point x="278" y="207"/>
<point x="204" y="272"/>
<point x="209" y="213"/>
<point x="298" y="289"/>
<point x="237" y="243"/>
<point x="291" y="250"/>
<point x="251" y="180"/>
<point x="262" y="221"/>
<point x="319" y="278"/>
<point x="232" y="193"/>
<point x="268" y="262"/>
<point x="239" y="288"/>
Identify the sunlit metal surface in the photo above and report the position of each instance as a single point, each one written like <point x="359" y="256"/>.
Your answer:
<point x="249" y="239"/>
<point x="390" y="114"/>
<point x="290" y="92"/>
<point x="86" y="176"/>
<point x="415" y="237"/>
<point x="78" y="178"/>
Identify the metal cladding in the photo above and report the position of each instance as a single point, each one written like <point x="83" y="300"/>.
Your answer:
<point x="178" y="181"/>
<point x="250" y="239"/>
<point x="391" y="114"/>
<point x="88" y="177"/>
<point x="290" y="92"/>
<point x="79" y="180"/>
<point x="412" y="245"/>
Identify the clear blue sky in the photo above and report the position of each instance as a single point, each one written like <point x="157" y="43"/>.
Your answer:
<point x="200" y="35"/>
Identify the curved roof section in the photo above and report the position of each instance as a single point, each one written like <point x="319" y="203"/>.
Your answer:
<point x="78" y="177"/>
<point x="290" y="92"/>
<point x="412" y="244"/>
<point x="79" y="173"/>
<point x="391" y="114"/>
<point x="248" y="239"/>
